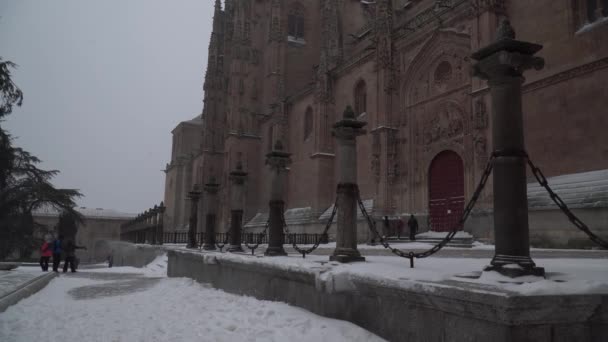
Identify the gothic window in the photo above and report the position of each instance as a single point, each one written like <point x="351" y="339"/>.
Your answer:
<point x="443" y="73"/>
<point x="295" y="23"/>
<point x="360" y="98"/>
<point x="588" y="12"/>
<point x="307" y="123"/>
<point x="596" y="10"/>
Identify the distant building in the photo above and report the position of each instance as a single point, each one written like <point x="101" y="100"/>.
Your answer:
<point x="100" y="224"/>
<point x="286" y="69"/>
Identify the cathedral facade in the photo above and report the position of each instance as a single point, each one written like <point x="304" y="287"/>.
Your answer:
<point x="285" y="70"/>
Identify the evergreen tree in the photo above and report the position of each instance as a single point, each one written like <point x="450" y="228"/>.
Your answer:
<point x="23" y="186"/>
<point x="68" y="225"/>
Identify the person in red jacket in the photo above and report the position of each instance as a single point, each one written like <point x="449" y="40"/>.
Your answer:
<point x="46" y="251"/>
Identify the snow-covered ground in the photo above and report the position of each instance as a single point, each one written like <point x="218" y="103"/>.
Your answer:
<point x="131" y="304"/>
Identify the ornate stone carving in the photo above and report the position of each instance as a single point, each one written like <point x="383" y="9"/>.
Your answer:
<point x="447" y="123"/>
<point x="383" y="29"/>
<point x="566" y="75"/>
<point x="375" y="166"/>
<point x="481" y="149"/>
<point x="275" y="30"/>
<point x="480" y="115"/>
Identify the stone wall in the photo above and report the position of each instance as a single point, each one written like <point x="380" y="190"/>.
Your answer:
<point x="127" y="254"/>
<point x="424" y="312"/>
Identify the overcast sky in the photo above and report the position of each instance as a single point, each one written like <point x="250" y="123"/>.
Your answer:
<point x="104" y="83"/>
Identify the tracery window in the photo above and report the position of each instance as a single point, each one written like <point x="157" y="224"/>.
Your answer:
<point x="295" y="23"/>
<point x="360" y="98"/>
<point x="307" y="123"/>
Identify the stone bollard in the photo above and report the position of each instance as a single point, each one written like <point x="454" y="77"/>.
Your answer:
<point x="346" y="132"/>
<point x="502" y="64"/>
<point x="278" y="161"/>
<point x="237" y="195"/>
<point x="194" y="196"/>
<point x="211" y="189"/>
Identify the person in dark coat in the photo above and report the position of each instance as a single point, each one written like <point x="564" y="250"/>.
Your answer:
<point x="57" y="244"/>
<point x="399" y="228"/>
<point x="412" y="223"/>
<point x="386" y="227"/>
<point x="70" y="255"/>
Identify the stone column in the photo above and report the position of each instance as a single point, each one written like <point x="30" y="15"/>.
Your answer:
<point x="237" y="196"/>
<point x="278" y="161"/>
<point x="194" y="196"/>
<point x="161" y="227"/>
<point x="502" y="64"/>
<point x="346" y="132"/>
<point x="155" y="225"/>
<point x="211" y="190"/>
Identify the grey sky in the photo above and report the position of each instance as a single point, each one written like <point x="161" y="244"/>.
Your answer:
<point x="105" y="82"/>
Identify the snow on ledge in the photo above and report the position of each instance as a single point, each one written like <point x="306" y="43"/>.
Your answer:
<point x="564" y="276"/>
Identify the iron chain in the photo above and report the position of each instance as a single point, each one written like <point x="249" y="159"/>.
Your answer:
<point x="319" y="237"/>
<point x="259" y="241"/>
<point x="467" y="211"/>
<point x="223" y="244"/>
<point x="542" y="180"/>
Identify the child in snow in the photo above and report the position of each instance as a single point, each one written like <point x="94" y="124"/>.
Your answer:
<point x="46" y="252"/>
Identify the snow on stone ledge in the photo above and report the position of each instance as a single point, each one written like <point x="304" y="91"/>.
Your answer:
<point x="564" y="276"/>
<point x="579" y="190"/>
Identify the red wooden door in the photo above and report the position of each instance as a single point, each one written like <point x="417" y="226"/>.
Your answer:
<point x="446" y="191"/>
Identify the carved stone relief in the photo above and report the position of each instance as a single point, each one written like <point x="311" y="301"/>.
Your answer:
<point x="480" y="115"/>
<point x="444" y="124"/>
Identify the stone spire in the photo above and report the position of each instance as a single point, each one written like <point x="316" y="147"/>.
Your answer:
<point x="331" y="34"/>
<point x="383" y="30"/>
<point x="217" y="17"/>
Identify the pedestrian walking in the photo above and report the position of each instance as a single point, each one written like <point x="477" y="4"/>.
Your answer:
<point x="46" y="251"/>
<point x="111" y="259"/>
<point x="400" y="226"/>
<point x="70" y="255"/>
<point x="57" y="249"/>
<point x="386" y="227"/>
<point x="412" y="223"/>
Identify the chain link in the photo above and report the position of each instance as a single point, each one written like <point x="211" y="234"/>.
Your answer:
<point x="467" y="211"/>
<point x="259" y="241"/>
<point x="542" y="180"/>
<point x="306" y="251"/>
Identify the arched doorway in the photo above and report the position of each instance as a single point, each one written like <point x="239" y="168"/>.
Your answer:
<point x="446" y="191"/>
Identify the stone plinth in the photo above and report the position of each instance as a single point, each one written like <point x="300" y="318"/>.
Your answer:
<point x="502" y="64"/>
